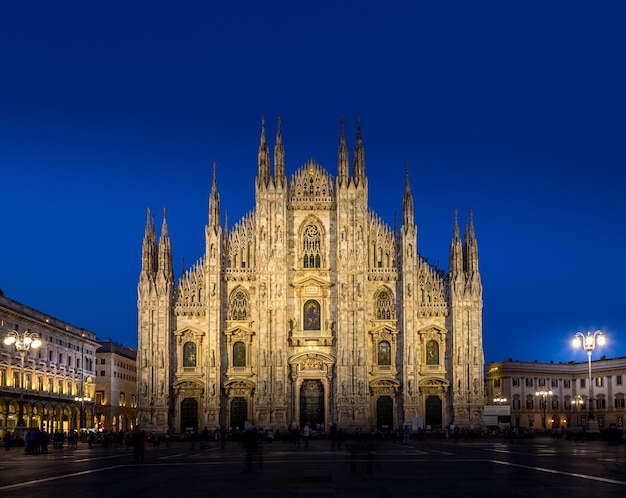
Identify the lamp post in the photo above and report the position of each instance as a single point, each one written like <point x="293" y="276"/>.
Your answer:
<point x="82" y="401"/>
<point x="498" y="400"/>
<point x="588" y="342"/>
<point x="23" y="343"/>
<point x="544" y="396"/>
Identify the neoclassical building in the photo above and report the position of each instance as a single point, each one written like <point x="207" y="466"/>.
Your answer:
<point x="50" y="387"/>
<point x="567" y="392"/>
<point x="310" y="309"/>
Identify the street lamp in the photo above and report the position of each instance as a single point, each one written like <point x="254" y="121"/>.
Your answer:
<point x="588" y="342"/>
<point x="544" y="396"/>
<point x="82" y="401"/>
<point x="23" y="343"/>
<point x="499" y="400"/>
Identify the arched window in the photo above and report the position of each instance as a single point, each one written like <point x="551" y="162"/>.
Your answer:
<point x="311" y="247"/>
<point x="384" y="306"/>
<point x="432" y="353"/>
<point x="238" y="306"/>
<point x="189" y="354"/>
<point x="239" y="354"/>
<point x="311" y="315"/>
<point x="384" y="353"/>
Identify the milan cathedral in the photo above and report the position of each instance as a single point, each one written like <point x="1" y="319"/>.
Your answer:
<point x="310" y="309"/>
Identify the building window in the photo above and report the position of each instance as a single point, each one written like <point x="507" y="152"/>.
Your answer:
<point x="384" y="306"/>
<point x="529" y="403"/>
<point x="515" y="381"/>
<point x="600" y="403"/>
<point x="312" y="314"/>
<point x="529" y="382"/>
<point x="238" y="305"/>
<point x="555" y="404"/>
<point x="618" y="380"/>
<point x="311" y="242"/>
<point x="496" y="382"/>
<point x="239" y="354"/>
<point x="122" y="399"/>
<point x="567" y="384"/>
<point x="583" y="384"/>
<point x="516" y="404"/>
<point x="189" y="354"/>
<point x="384" y="353"/>
<point x="567" y="404"/>
<point x="432" y="353"/>
<point x="554" y="382"/>
<point x="101" y="373"/>
<point x="599" y="381"/>
<point x="542" y="382"/>
<point x="619" y="403"/>
<point x="99" y="397"/>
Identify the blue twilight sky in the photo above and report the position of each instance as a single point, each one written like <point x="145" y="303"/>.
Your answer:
<point x="516" y="110"/>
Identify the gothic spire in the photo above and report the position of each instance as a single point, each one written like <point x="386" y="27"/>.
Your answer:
<point x="470" y="248"/>
<point x="342" y="167"/>
<point x="149" y="247"/>
<point x="165" y="251"/>
<point x="263" y="158"/>
<point x="214" y="203"/>
<point x="408" y="213"/>
<point x="358" y="168"/>
<point x="456" y="249"/>
<point x="279" y="158"/>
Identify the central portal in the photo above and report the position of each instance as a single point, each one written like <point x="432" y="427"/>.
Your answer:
<point x="311" y="403"/>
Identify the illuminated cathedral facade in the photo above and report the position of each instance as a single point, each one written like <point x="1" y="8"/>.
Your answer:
<point x="310" y="309"/>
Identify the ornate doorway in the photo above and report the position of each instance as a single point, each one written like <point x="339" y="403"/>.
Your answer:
<point x="434" y="416"/>
<point x="311" y="403"/>
<point x="384" y="413"/>
<point x="188" y="415"/>
<point x="238" y="413"/>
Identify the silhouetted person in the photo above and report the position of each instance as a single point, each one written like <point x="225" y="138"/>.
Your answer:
<point x="139" y="445"/>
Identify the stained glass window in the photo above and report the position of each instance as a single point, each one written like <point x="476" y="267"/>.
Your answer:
<point x="384" y="306"/>
<point x="311" y="315"/>
<point x="384" y="353"/>
<point x="312" y="247"/>
<point x="189" y="354"/>
<point x="238" y="306"/>
<point x="432" y="353"/>
<point x="239" y="354"/>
